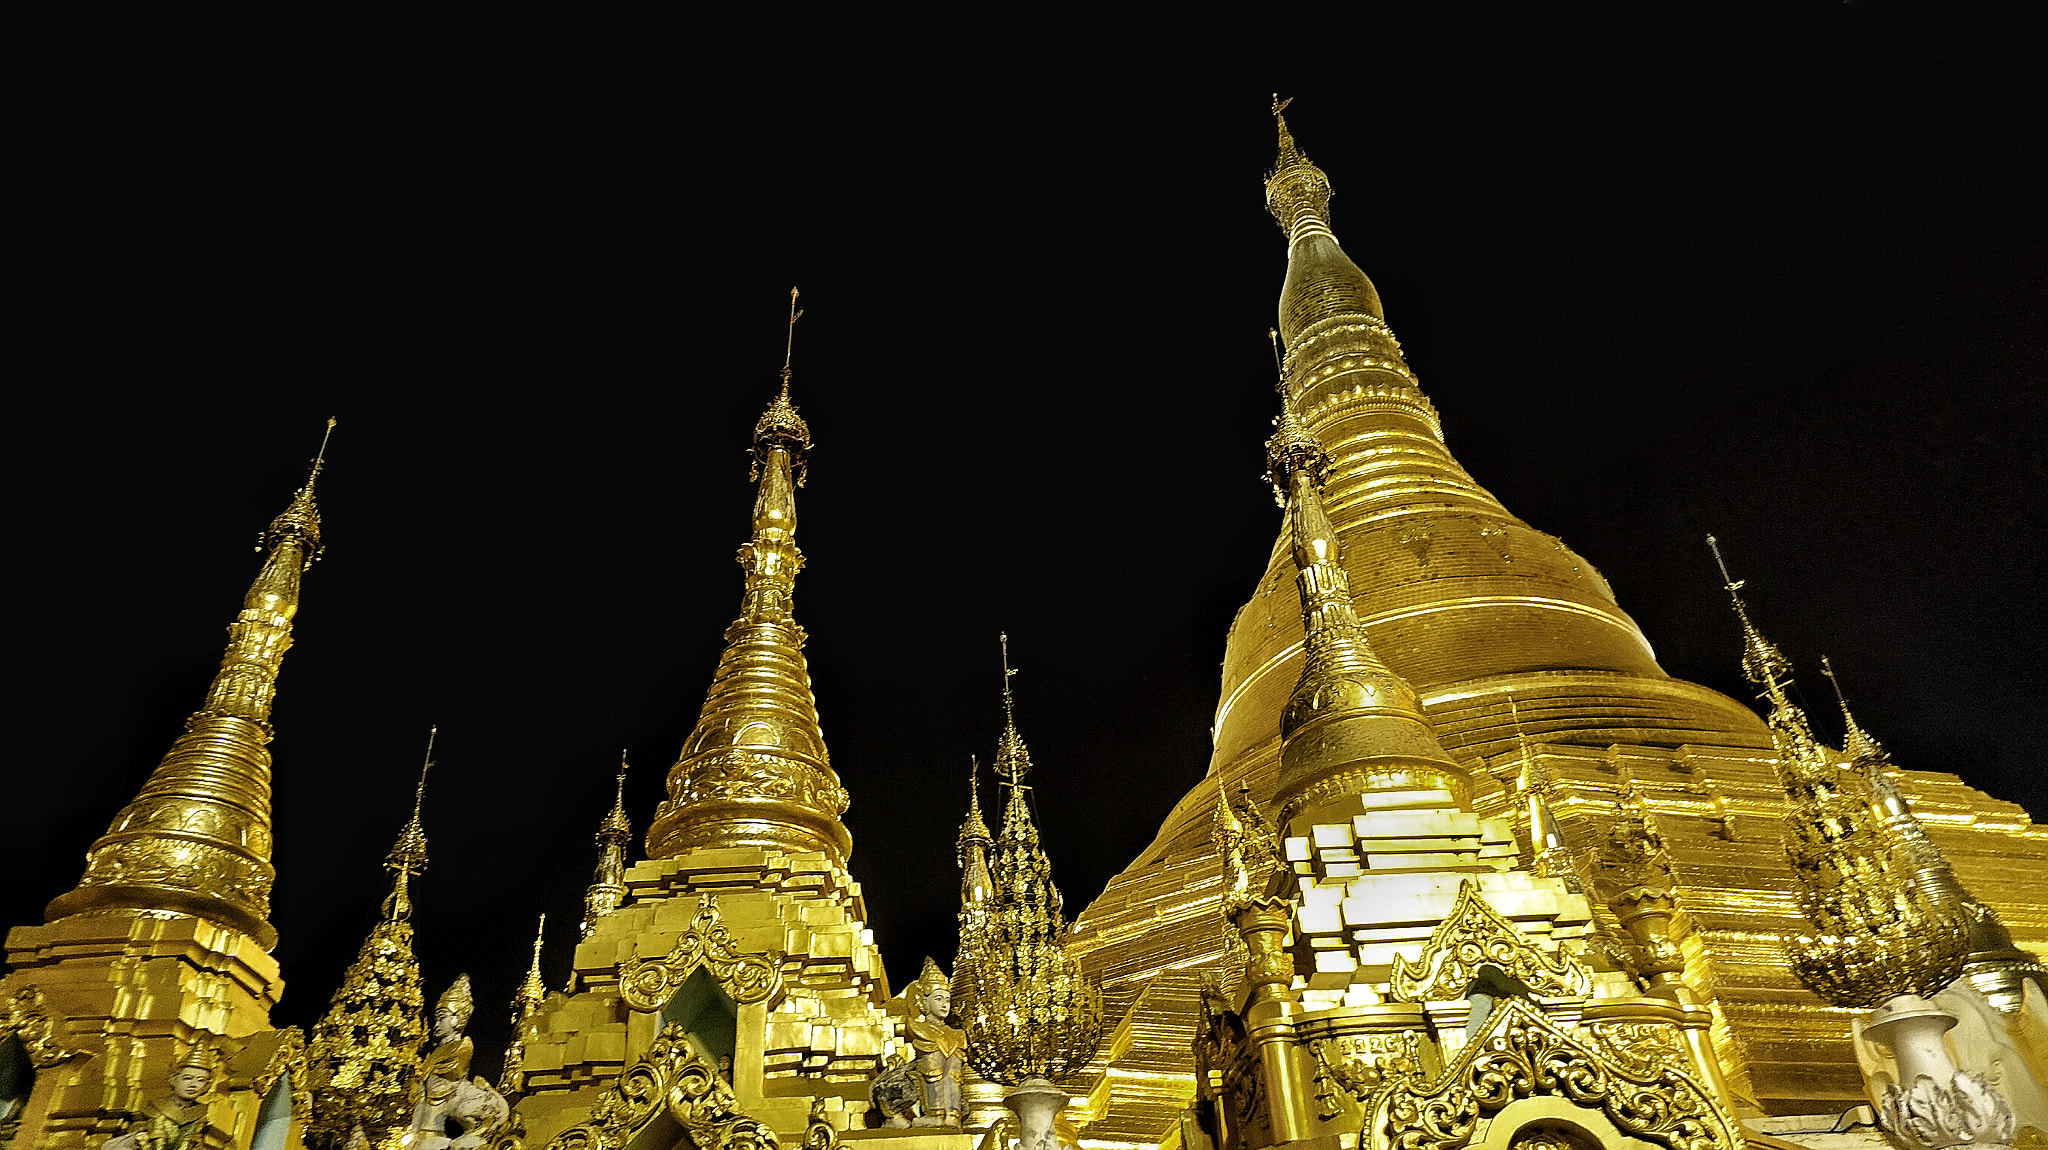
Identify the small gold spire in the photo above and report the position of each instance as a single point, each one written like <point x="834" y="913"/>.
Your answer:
<point x="608" y="885"/>
<point x="1881" y="934"/>
<point x="754" y="770"/>
<point x="974" y="831"/>
<point x="1992" y="964"/>
<point x="532" y="992"/>
<point x="1352" y="726"/>
<point x="1027" y="1008"/>
<point x="197" y="837"/>
<point x="408" y="857"/>
<point x="1857" y="743"/>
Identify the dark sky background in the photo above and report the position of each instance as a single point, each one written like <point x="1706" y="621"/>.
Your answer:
<point x="1784" y="284"/>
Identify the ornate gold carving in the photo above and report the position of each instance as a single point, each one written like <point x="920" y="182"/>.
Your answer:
<point x="28" y="1019"/>
<point x="289" y="1058"/>
<point x="1475" y="935"/>
<point x="670" y="1077"/>
<point x="1359" y="1064"/>
<point x="1881" y="934"/>
<point x="1521" y="1054"/>
<point x="365" y="1051"/>
<point x="1028" y="1012"/>
<point x="608" y="885"/>
<point x="646" y="984"/>
<point x="1645" y="1047"/>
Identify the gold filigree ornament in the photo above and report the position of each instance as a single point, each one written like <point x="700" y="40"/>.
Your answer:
<point x="1359" y="1064"/>
<point x="28" y="1019"/>
<point x="671" y="1078"/>
<point x="1475" y="935"/>
<point x="1520" y="1054"/>
<point x="646" y="984"/>
<point x="289" y="1059"/>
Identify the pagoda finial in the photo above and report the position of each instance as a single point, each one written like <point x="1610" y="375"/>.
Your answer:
<point x="1857" y="743"/>
<point x="780" y="425"/>
<point x="608" y="885"/>
<point x="1297" y="192"/>
<point x="301" y="518"/>
<point x="408" y="857"/>
<point x="209" y="797"/>
<point x="754" y="770"/>
<point x="1013" y="760"/>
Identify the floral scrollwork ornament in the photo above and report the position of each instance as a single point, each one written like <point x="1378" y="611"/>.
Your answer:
<point x="646" y="984"/>
<point x="1475" y="935"/>
<point x="1522" y="1054"/>
<point x="28" y="1019"/>
<point x="671" y="1077"/>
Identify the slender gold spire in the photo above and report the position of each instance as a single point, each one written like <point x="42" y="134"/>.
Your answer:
<point x="971" y="850"/>
<point x="1013" y="759"/>
<point x="197" y="837"/>
<point x="1881" y="934"/>
<point x="608" y="885"/>
<point x="1322" y="282"/>
<point x="532" y="992"/>
<point x="754" y="771"/>
<point x="1997" y="968"/>
<point x="1352" y="725"/>
<point x="364" y="1052"/>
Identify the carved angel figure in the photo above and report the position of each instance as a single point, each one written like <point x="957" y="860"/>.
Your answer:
<point x="941" y="1048"/>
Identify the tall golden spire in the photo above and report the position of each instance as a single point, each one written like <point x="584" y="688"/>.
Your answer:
<point x="1881" y="934"/>
<point x="197" y="837"/>
<point x="608" y="885"/>
<point x="532" y="992"/>
<point x="1352" y="726"/>
<point x="977" y="886"/>
<point x="365" y="1049"/>
<point x="754" y="771"/>
<point x="1991" y="963"/>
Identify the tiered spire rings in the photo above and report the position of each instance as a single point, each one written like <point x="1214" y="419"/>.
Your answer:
<point x="197" y="838"/>
<point x="1881" y="934"/>
<point x="754" y="772"/>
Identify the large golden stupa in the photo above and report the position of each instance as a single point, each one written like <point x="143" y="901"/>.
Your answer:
<point x="1468" y="869"/>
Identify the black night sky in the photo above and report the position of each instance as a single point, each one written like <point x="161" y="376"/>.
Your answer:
<point x="1786" y="285"/>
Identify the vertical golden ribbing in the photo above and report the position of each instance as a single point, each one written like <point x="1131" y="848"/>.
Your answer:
<point x="754" y="771"/>
<point x="197" y="838"/>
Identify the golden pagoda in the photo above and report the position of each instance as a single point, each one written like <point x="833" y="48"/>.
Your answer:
<point x="737" y="978"/>
<point x="160" y="956"/>
<point x="1517" y="653"/>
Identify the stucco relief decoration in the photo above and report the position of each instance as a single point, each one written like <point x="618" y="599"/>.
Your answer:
<point x="1521" y="1054"/>
<point x="748" y="775"/>
<point x="28" y="1019"/>
<point x="672" y="1076"/>
<point x="646" y="984"/>
<point x="1475" y="935"/>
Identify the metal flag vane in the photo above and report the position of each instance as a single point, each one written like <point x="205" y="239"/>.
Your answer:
<point x="789" y="346"/>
